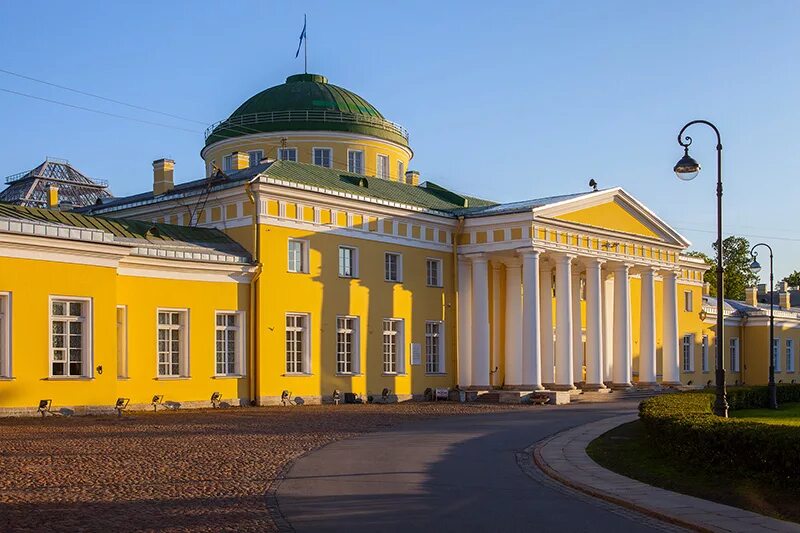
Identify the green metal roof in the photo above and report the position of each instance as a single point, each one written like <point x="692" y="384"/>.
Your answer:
<point x="427" y="196"/>
<point x="306" y="102"/>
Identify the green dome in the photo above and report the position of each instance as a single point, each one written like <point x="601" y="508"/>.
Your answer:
<point x="306" y="102"/>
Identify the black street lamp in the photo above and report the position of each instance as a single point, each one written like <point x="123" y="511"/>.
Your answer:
<point x="687" y="169"/>
<point x="755" y="268"/>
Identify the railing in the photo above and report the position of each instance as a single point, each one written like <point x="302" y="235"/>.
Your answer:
<point x="243" y="122"/>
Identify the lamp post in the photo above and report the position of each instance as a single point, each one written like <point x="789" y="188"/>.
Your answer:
<point x="755" y="268"/>
<point x="686" y="169"/>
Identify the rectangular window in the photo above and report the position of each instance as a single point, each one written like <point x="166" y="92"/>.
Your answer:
<point x="687" y="349"/>
<point x="229" y="344"/>
<point x="401" y="172"/>
<point x="348" y="262"/>
<point x="255" y="157"/>
<point x="347" y="345"/>
<point x="434" y="347"/>
<point x="70" y="344"/>
<point x="776" y="356"/>
<point x="393" y="343"/>
<point x="5" y="335"/>
<point x="393" y="267"/>
<point x="173" y="341"/>
<point x="704" y="362"/>
<point x="789" y="355"/>
<point x="287" y="154"/>
<point x="382" y="166"/>
<point x="122" y="342"/>
<point x="434" y="272"/>
<point x="297" y="340"/>
<point x="734" y="354"/>
<point x="227" y="163"/>
<point x="687" y="301"/>
<point x="355" y="161"/>
<point x="297" y="256"/>
<point x="323" y="157"/>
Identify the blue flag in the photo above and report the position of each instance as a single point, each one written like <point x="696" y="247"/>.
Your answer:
<point x="302" y="36"/>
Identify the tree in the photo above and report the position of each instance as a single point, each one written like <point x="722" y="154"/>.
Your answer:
<point x="793" y="279"/>
<point x="737" y="274"/>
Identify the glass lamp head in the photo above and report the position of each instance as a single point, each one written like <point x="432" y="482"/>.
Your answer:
<point x="755" y="267"/>
<point x="687" y="168"/>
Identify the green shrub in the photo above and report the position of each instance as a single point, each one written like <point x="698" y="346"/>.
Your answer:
<point x="758" y="397"/>
<point x="684" y="427"/>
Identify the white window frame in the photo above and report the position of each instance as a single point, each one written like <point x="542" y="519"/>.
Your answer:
<point x="687" y="345"/>
<point x="6" y="371"/>
<point x="227" y="163"/>
<point x="776" y="353"/>
<point x="350" y="166"/>
<point x="183" y="346"/>
<point x="304" y="360"/>
<point x="790" y="355"/>
<point x="282" y="152"/>
<point x="290" y="261"/>
<point x="354" y="331"/>
<point x="438" y="282"/>
<point x="87" y="342"/>
<point x="122" y="343"/>
<point x="733" y="352"/>
<point x="255" y="157"/>
<point x="436" y="340"/>
<point x="401" y="171"/>
<point x="704" y="354"/>
<point x="398" y="366"/>
<point x="322" y="149"/>
<point x="353" y="262"/>
<point x="382" y="166"/>
<point x="239" y="343"/>
<point x="688" y="303"/>
<point x="399" y="270"/>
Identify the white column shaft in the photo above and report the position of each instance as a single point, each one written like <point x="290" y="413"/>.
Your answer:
<point x="531" y="343"/>
<point x="513" y="363"/>
<point x="564" y="323"/>
<point x="480" y="322"/>
<point x="622" y="327"/>
<point x="546" y="330"/>
<point x="670" y="353"/>
<point x="608" y="329"/>
<point x="496" y="325"/>
<point x="464" y="323"/>
<point x="647" y="336"/>
<point x="594" y="326"/>
<point x="577" y="329"/>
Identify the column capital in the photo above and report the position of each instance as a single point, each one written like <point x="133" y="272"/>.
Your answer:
<point x="529" y="250"/>
<point x="496" y="263"/>
<point x="512" y="262"/>
<point x="562" y="257"/>
<point x="478" y="257"/>
<point x="595" y="263"/>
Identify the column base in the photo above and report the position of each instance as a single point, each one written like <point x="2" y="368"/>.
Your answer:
<point x="595" y="387"/>
<point x="671" y="383"/>
<point x="562" y="387"/>
<point x="536" y="388"/>
<point x="621" y="386"/>
<point x="648" y="385"/>
<point x="548" y="386"/>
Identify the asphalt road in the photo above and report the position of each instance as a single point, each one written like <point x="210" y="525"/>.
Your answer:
<point x="449" y="474"/>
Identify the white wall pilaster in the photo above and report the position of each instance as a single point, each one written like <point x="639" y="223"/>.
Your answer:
<point x="497" y="330"/>
<point x="464" y="321"/>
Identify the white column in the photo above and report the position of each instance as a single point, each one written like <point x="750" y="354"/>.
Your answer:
<point x="671" y="370"/>
<point x="594" y="326"/>
<point x="647" y="336"/>
<point x="513" y="352"/>
<point x="464" y="323"/>
<point x="608" y="328"/>
<point x="622" y="327"/>
<point x="531" y="343"/>
<point x="546" y="328"/>
<point x="577" y="328"/>
<point x="496" y="325"/>
<point x="480" y="321"/>
<point x="564" y="323"/>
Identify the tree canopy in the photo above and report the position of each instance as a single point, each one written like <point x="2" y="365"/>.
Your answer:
<point x="793" y="279"/>
<point x="736" y="262"/>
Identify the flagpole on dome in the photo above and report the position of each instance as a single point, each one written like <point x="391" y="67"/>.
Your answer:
<point x="304" y="43"/>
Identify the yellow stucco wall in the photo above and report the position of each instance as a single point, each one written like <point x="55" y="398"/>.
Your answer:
<point x="610" y="215"/>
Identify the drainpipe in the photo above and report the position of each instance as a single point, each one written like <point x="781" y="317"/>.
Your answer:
<point x="254" y="344"/>
<point x="456" y="235"/>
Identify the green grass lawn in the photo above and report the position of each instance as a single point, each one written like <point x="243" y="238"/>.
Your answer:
<point x="627" y="451"/>
<point x="788" y="414"/>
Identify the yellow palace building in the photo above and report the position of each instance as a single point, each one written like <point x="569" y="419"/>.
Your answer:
<point x="311" y="259"/>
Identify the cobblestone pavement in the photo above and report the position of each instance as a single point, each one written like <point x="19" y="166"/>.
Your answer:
<point x="172" y="471"/>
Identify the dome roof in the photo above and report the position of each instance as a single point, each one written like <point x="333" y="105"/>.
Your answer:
<point x="306" y="102"/>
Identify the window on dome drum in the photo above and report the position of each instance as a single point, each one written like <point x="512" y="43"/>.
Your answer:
<point x="297" y="341"/>
<point x="687" y="301"/>
<point x="287" y="154"/>
<point x="789" y="355"/>
<point x="382" y="166"/>
<point x="434" y="272"/>
<point x="323" y="157"/>
<point x="229" y="344"/>
<point x="355" y="161"/>
<point x="5" y="335"/>
<point x="393" y="343"/>
<point x="434" y="347"/>
<point x="122" y="342"/>
<point x="401" y="172"/>
<point x="70" y="340"/>
<point x="393" y="267"/>
<point x="173" y="352"/>
<point x="298" y="256"/>
<point x="733" y="348"/>
<point x="255" y="157"/>
<point x="227" y="163"/>
<point x="347" y="346"/>
<point x="776" y="357"/>
<point x="704" y="360"/>
<point x="687" y="352"/>
<point x="348" y="262"/>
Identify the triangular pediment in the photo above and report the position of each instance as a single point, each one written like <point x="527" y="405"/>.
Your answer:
<point x="615" y="211"/>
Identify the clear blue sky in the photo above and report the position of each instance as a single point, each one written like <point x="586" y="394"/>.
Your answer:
<point x="503" y="100"/>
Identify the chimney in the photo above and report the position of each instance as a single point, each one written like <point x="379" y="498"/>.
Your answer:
<point x="412" y="177"/>
<point x="163" y="181"/>
<point x="784" y="301"/>
<point x="783" y="285"/>
<point x="52" y="196"/>
<point x="706" y="289"/>
<point x="240" y="160"/>
<point x="751" y="296"/>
